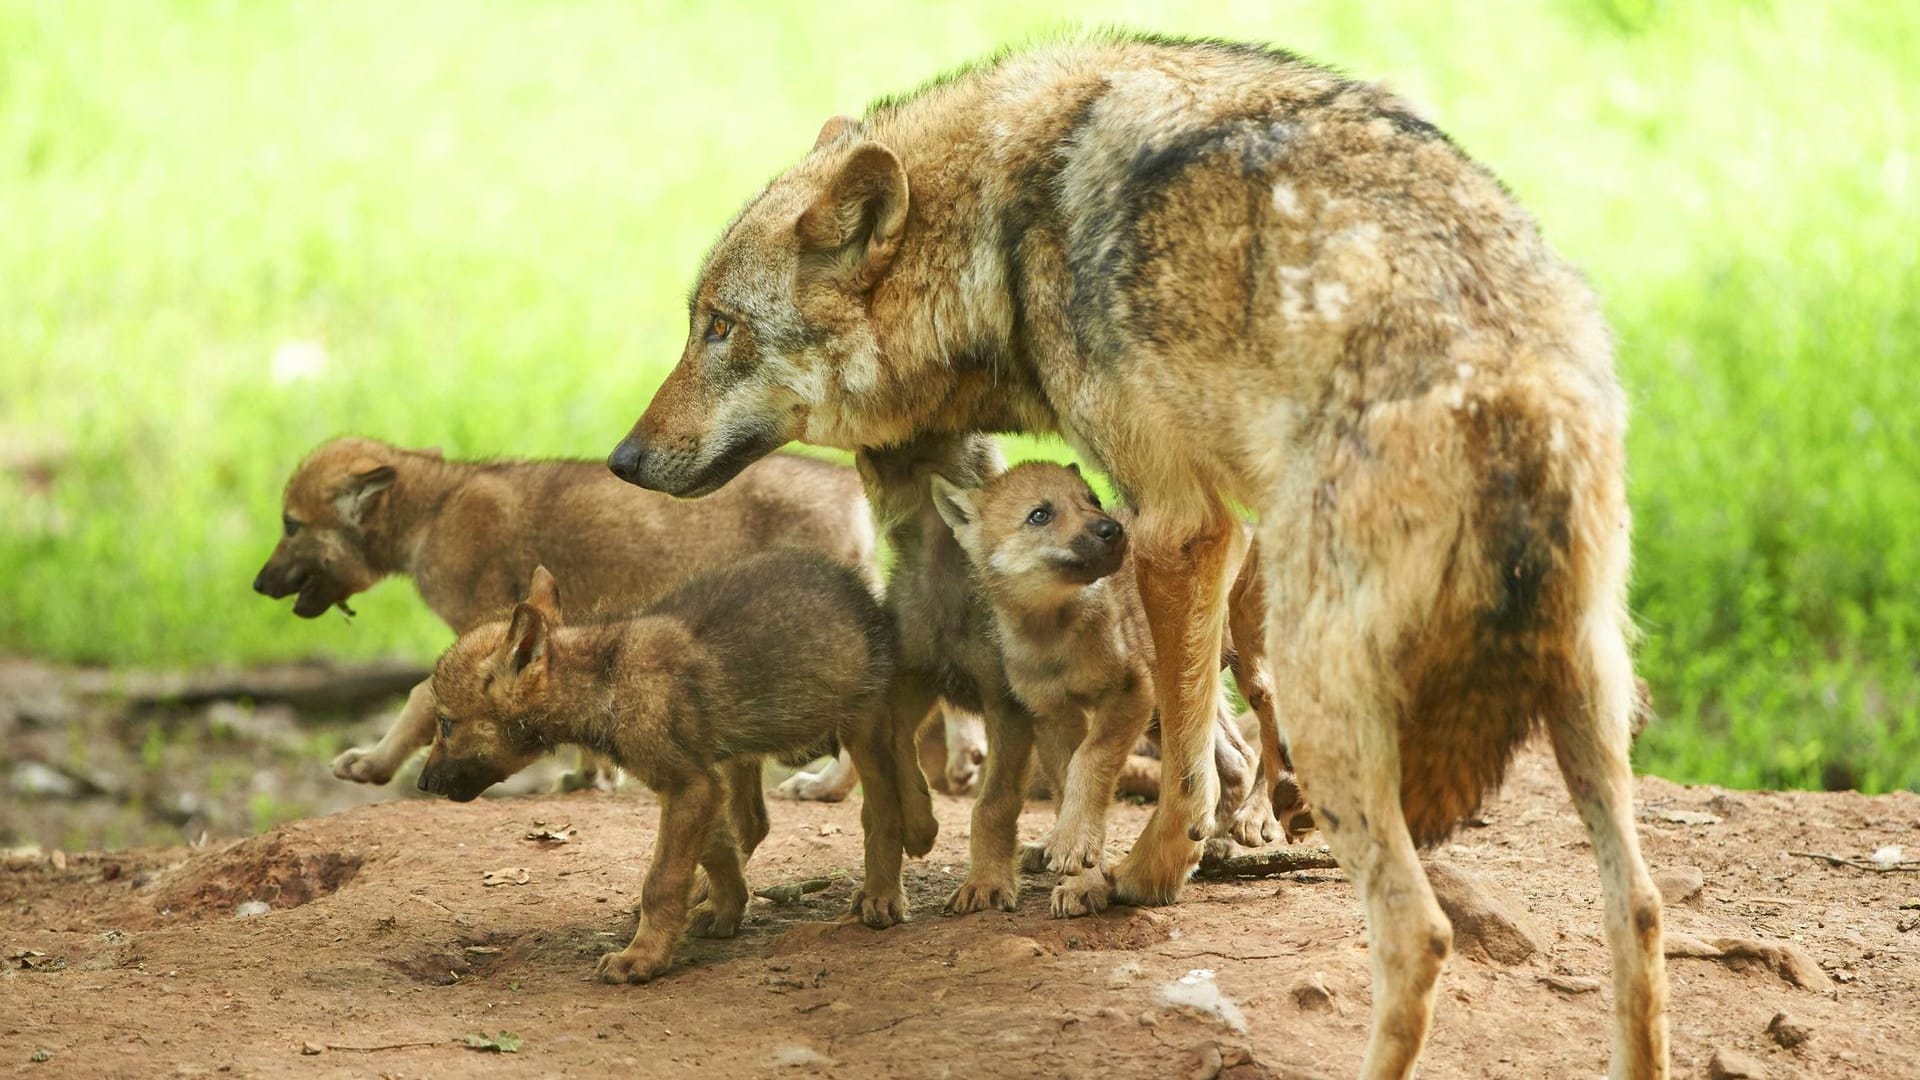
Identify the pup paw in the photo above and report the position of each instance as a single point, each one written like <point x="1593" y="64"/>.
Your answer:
<point x="363" y="766"/>
<point x="879" y="909"/>
<point x="634" y="965"/>
<point x="1084" y="893"/>
<point x="710" y="920"/>
<point x="983" y="894"/>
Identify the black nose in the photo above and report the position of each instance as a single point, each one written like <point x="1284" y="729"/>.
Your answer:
<point x="625" y="459"/>
<point x="260" y="583"/>
<point x="1106" y="530"/>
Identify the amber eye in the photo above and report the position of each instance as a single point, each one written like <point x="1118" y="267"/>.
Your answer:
<point x="719" y="327"/>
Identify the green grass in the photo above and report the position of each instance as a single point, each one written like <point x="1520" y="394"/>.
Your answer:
<point x="487" y="216"/>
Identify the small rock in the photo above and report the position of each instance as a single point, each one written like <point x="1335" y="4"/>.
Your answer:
<point x="1787" y="960"/>
<point x="1787" y="1032"/>
<point x="1124" y="974"/>
<point x="1725" y="805"/>
<point x="1486" y="922"/>
<point x="33" y="779"/>
<point x="1571" y="984"/>
<point x="250" y="908"/>
<point x="1678" y="883"/>
<point x="795" y="1055"/>
<point x="311" y="1048"/>
<point x="1690" y="947"/>
<point x="1204" y="1064"/>
<point x="1733" y="1065"/>
<point x="1311" y="992"/>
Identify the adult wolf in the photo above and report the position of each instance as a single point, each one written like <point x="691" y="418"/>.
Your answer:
<point x="1228" y="275"/>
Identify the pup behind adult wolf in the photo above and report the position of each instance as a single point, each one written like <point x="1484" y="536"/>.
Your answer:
<point x="470" y="533"/>
<point x="1227" y="275"/>
<point x="776" y="655"/>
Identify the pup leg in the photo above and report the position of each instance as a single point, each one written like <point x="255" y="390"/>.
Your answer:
<point x="830" y="784"/>
<point x="879" y="901"/>
<point x="996" y="813"/>
<point x="1591" y="746"/>
<point x="1183" y="586"/>
<point x="1054" y="743"/>
<point x="966" y="747"/>
<point x="410" y="731"/>
<point x="593" y="772"/>
<point x="746" y="813"/>
<point x="1080" y="830"/>
<point x="909" y="701"/>
<point x="687" y="818"/>
<point x="1237" y="765"/>
<point x="717" y="914"/>
<point x="1256" y="822"/>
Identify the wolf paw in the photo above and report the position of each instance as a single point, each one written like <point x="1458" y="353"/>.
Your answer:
<point x="823" y="786"/>
<point x="709" y="920"/>
<point x="1073" y="847"/>
<point x="363" y="766"/>
<point x="1253" y="823"/>
<point x="983" y="895"/>
<point x="1032" y="858"/>
<point x="879" y="909"/>
<point x="634" y="965"/>
<point x="1154" y="873"/>
<point x="1084" y="893"/>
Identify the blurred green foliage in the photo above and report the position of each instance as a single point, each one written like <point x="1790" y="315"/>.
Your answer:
<point x="232" y="229"/>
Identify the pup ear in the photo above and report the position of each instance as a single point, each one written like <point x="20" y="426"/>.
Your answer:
<point x="363" y="492"/>
<point x="955" y="505"/>
<point x="858" y="220"/>
<point x="835" y="127"/>
<point x="544" y="594"/>
<point x="526" y="643"/>
<point x="1074" y="468"/>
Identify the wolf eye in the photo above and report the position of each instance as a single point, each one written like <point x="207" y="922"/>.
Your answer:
<point x="719" y="327"/>
<point x="290" y="525"/>
<point x="1040" y="516"/>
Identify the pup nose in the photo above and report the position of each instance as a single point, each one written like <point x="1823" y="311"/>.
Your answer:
<point x="625" y="459"/>
<point x="1106" y="530"/>
<point x="260" y="583"/>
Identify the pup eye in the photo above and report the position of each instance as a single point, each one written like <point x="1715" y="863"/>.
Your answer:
<point x="719" y="327"/>
<point x="290" y="525"/>
<point x="446" y="726"/>
<point x="1040" y="516"/>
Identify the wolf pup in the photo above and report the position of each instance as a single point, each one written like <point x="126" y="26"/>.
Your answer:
<point x="470" y="534"/>
<point x="1073" y="634"/>
<point x="1233" y="278"/>
<point x="778" y="655"/>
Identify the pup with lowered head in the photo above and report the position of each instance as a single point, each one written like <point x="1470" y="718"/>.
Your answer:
<point x="783" y="654"/>
<point x="1073" y="635"/>
<point x="469" y="534"/>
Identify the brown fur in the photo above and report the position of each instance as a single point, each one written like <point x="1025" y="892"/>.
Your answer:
<point x="780" y="655"/>
<point x="470" y="533"/>
<point x="1229" y="276"/>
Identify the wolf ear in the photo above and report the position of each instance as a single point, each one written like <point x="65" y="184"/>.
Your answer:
<point x="526" y="643"/>
<point x="544" y="594"/>
<point x="858" y="220"/>
<point x="835" y="127"/>
<point x="955" y="505"/>
<point x="367" y="481"/>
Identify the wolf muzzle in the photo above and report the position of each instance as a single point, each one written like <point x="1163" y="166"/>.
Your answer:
<point x="689" y="473"/>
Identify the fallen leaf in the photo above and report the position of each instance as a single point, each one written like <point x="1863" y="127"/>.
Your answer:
<point x="507" y="875"/>
<point x="551" y="834"/>
<point x="504" y="1043"/>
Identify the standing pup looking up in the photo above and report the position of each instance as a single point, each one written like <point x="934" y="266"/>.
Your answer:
<point x="1231" y="277"/>
<point x="780" y="655"/>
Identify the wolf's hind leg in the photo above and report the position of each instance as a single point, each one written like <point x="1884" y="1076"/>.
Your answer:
<point x="1590" y="742"/>
<point x="410" y="731"/>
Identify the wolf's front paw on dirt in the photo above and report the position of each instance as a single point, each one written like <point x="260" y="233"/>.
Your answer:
<point x="1153" y="874"/>
<point x="810" y="787"/>
<point x="1084" y="893"/>
<point x="984" y="894"/>
<point x="363" y="766"/>
<point x="635" y="964"/>
<point x="879" y="909"/>
<point x="1033" y="858"/>
<point x="1074" y="846"/>
<point x="711" y="920"/>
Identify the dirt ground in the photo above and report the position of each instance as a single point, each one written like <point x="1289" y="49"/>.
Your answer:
<point x="381" y="949"/>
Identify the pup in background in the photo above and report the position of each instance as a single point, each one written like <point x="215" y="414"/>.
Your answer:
<point x="470" y="533"/>
<point x="782" y="654"/>
<point x="1073" y="634"/>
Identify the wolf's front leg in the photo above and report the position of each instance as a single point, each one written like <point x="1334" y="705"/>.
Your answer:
<point x="687" y="818"/>
<point x="1183" y="586"/>
<point x="410" y="731"/>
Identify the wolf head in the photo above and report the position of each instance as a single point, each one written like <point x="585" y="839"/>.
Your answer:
<point x="781" y="341"/>
<point x="334" y="504"/>
<point x="1035" y="532"/>
<point x="487" y="688"/>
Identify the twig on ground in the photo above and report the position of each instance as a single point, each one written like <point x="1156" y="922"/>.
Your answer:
<point x="1908" y="867"/>
<point x="1267" y="863"/>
